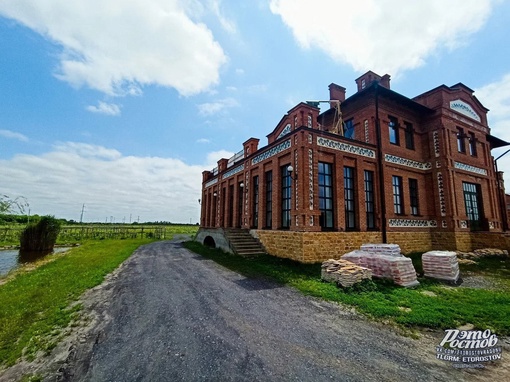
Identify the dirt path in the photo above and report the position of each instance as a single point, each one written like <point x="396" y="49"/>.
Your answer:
<point x="169" y="315"/>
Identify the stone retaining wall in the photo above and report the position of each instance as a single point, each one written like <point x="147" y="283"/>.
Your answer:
<point x="312" y="247"/>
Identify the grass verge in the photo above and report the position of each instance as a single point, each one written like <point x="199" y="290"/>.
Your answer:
<point x="34" y="306"/>
<point x="440" y="307"/>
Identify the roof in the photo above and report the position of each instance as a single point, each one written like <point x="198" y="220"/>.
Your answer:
<point x="387" y="93"/>
<point x="496" y="142"/>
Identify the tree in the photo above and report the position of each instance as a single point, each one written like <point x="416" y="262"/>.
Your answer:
<point x="11" y="206"/>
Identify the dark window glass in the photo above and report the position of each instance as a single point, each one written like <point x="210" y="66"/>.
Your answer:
<point x="409" y="131"/>
<point x="369" y="199"/>
<point x="326" y="194"/>
<point x="398" y="205"/>
<point x="269" y="199"/>
<point x="349" y="129"/>
<point x="286" y="194"/>
<point x="461" y="140"/>
<point x="240" y="205"/>
<point x="255" y="201"/>
<point x="223" y="221"/>
<point x="472" y="144"/>
<point x="472" y="197"/>
<point x="393" y="130"/>
<point x="350" y="207"/>
<point x="413" y="195"/>
<point x="231" y="205"/>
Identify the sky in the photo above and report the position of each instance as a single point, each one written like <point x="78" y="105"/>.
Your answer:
<point x="114" y="108"/>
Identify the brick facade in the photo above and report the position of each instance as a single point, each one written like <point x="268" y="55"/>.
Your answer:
<point x="376" y="166"/>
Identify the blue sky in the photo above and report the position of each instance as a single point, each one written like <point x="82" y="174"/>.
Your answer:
<point x="120" y="105"/>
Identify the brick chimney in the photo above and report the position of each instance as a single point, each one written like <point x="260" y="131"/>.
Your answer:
<point x="336" y="93"/>
<point x="385" y="81"/>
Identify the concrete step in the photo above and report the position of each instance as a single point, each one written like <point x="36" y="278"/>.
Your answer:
<point x="243" y="243"/>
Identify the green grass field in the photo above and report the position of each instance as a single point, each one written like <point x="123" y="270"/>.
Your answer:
<point x="35" y="305"/>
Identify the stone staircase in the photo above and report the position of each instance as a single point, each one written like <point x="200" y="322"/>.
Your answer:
<point x="243" y="244"/>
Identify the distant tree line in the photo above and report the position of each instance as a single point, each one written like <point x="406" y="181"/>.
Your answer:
<point x="7" y="219"/>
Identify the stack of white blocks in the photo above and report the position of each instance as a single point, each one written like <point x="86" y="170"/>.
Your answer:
<point x="385" y="260"/>
<point x="442" y="265"/>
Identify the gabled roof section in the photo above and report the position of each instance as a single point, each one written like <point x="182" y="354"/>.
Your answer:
<point x="449" y="94"/>
<point x="295" y="117"/>
<point x="382" y="91"/>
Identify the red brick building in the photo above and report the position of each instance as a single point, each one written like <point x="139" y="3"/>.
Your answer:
<point x="374" y="167"/>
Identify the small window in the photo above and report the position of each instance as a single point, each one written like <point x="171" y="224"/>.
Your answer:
<point x="398" y="204"/>
<point x="393" y="130"/>
<point x="326" y="198"/>
<point x="350" y="202"/>
<point x="461" y="140"/>
<point x="363" y="84"/>
<point x="349" y="129"/>
<point x="310" y="121"/>
<point x="369" y="199"/>
<point x="285" y="196"/>
<point x="409" y="131"/>
<point x="269" y="199"/>
<point x="413" y="195"/>
<point x="472" y="144"/>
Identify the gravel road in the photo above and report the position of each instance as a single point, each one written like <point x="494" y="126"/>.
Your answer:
<point x="169" y="315"/>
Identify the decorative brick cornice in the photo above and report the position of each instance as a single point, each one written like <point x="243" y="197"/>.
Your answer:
<point x="211" y="182"/>
<point x="407" y="162"/>
<point x="468" y="167"/>
<point x="229" y="173"/>
<point x="271" y="152"/>
<point x="412" y="223"/>
<point x="285" y="131"/>
<point x="346" y="147"/>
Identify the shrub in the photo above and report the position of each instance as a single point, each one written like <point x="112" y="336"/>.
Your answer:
<point x="40" y="236"/>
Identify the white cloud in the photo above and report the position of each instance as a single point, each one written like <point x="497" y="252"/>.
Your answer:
<point x="215" y="156"/>
<point x="105" y="108"/>
<point x="107" y="182"/>
<point x="203" y="140"/>
<point x="86" y="150"/>
<point x="119" y="46"/>
<point x="385" y="36"/>
<point x="13" y="135"/>
<point x="210" y="108"/>
<point x="496" y="97"/>
<point x="227" y="24"/>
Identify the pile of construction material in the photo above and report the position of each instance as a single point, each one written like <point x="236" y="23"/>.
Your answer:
<point x="344" y="273"/>
<point x="442" y="265"/>
<point x="385" y="261"/>
<point x="382" y="249"/>
<point x="484" y="252"/>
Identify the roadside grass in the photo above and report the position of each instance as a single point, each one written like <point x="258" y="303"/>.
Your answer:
<point x="36" y="306"/>
<point x="446" y="307"/>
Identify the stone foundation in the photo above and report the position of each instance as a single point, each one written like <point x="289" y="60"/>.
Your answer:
<point x="313" y="247"/>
